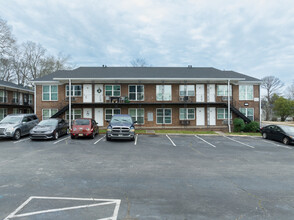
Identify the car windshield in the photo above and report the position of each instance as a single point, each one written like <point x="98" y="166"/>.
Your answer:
<point x="82" y="122"/>
<point x="48" y="123"/>
<point x="288" y="129"/>
<point x="122" y="119"/>
<point x="11" y="120"/>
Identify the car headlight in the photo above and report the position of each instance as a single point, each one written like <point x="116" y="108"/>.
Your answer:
<point x="87" y="129"/>
<point x="50" y="131"/>
<point x="109" y="129"/>
<point x="132" y="130"/>
<point x="74" y="129"/>
<point x="10" y="129"/>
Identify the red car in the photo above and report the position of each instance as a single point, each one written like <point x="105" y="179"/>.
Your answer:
<point x="84" y="127"/>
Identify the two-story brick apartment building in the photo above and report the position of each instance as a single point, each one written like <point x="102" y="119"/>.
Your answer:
<point x="156" y="97"/>
<point x="15" y="99"/>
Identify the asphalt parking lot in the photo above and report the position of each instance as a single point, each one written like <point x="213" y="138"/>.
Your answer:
<point x="155" y="177"/>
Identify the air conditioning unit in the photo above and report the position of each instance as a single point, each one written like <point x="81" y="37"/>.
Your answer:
<point x="184" y="98"/>
<point x="184" y="122"/>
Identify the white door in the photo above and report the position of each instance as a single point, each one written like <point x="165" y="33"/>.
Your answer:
<point x="200" y="116"/>
<point x="87" y="113"/>
<point x="98" y="93"/>
<point x="211" y="120"/>
<point x="199" y="92"/>
<point x="99" y="116"/>
<point x="211" y="93"/>
<point x="87" y="93"/>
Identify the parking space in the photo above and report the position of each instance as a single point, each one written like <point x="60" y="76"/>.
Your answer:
<point x="153" y="177"/>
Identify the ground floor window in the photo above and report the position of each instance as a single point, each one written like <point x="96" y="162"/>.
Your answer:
<point x="15" y="111"/>
<point x="222" y="113"/>
<point x="248" y="112"/>
<point x="3" y="113"/>
<point x="187" y="113"/>
<point x="164" y="116"/>
<point x="137" y="114"/>
<point x="75" y="114"/>
<point x="109" y="112"/>
<point x="48" y="113"/>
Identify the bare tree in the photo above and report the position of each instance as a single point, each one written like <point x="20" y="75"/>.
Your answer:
<point x="139" y="62"/>
<point x="290" y="91"/>
<point x="272" y="85"/>
<point x="6" y="39"/>
<point x="6" y="70"/>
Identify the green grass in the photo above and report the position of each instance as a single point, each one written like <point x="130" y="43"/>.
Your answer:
<point x="182" y="132"/>
<point x="245" y="133"/>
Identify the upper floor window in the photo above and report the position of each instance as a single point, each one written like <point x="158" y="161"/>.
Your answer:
<point x="163" y="93"/>
<point x="248" y="112"/>
<point x="136" y="92"/>
<point x="187" y="90"/>
<point x="222" y="90"/>
<point x="245" y="92"/>
<point x="50" y="93"/>
<point x="112" y="90"/>
<point x="30" y="99"/>
<point x="3" y="96"/>
<point x="15" y="97"/>
<point x="76" y="90"/>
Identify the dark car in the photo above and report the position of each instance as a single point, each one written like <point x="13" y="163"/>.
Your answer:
<point x="17" y="125"/>
<point x="121" y="127"/>
<point x="50" y="129"/>
<point x="280" y="133"/>
<point x="84" y="127"/>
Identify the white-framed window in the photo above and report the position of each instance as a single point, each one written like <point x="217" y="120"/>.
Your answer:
<point x="222" y="113"/>
<point x="3" y="113"/>
<point x="3" y="96"/>
<point x="48" y="113"/>
<point x="50" y="92"/>
<point x="187" y="113"/>
<point x="187" y="90"/>
<point x="163" y="92"/>
<point x="136" y="92"/>
<point x="248" y="112"/>
<point x="76" y="90"/>
<point x="109" y="112"/>
<point x="112" y="90"/>
<point x="76" y="113"/>
<point x="15" y="111"/>
<point x="137" y="114"/>
<point x="222" y="90"/>
<point x="30" y="99"/>
<point x="15" y="97"/>
<point x="245" y="92"/>
<point x="163" y="116"/>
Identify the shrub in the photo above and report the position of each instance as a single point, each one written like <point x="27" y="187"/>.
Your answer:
<point x="252" y="127"/>
<point x="239" y="124"/>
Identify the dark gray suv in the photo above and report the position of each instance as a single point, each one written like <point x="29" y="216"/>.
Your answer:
<point x="121" y="127"/>
<point x="17" y="125"/>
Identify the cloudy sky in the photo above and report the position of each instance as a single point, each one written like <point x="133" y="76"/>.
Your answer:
<point x="252" y="37"/>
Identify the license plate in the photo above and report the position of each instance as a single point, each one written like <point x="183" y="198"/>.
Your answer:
<point x="81" y="135"/>
<point x="120" y="135"/>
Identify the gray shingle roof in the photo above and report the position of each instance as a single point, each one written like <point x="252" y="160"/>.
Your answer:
<point x="146" y="72"/>
<point x="14" y="86"/>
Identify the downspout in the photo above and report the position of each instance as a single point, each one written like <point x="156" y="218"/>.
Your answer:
<point x="35" y="99"/>
<point x="229" y="107"/>
<point x="69" y="103"/>
<point x="259" y="106"/>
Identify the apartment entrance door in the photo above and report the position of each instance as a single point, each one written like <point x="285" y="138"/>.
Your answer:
<point x="87" y="93"/>
<point x="211" y="116"/>
<point x="98" y="93"/>
<point x="211" y="93"/>
<point x="200" y="116"/>
<point x="199" y="92"/>
<point x="99" y="116"/>
<point x="87" y="113"/>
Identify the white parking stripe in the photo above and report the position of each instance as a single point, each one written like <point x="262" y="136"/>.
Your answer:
<point x="60" y="140"/>
<point x="21" y="140"/>
<point x="269" y="142"/>
<point x="239" y="142"/>
<point x="100" y="139"/>
<point x="136" y="139"/>
<point x="205" y="141"/>
<point x="171" y="140"/>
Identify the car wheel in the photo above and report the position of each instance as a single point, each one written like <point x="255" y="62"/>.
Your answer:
<point x="286" y="140"/>
<point x="56" y="135"/>
<point x="72" y="136"/>
<point x="93" y="135"/>
<point x="108" y="138"/>
<point x="16" y="135"/>
<point x="264" y="135"/>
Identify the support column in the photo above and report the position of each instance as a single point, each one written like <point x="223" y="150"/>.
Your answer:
<point x="229" y="107"/>
<point x="69" y="103"/>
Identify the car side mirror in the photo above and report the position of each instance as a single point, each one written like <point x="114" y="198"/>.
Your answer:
<point x="108" y="121"/>
<point x="135" y="122"/>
